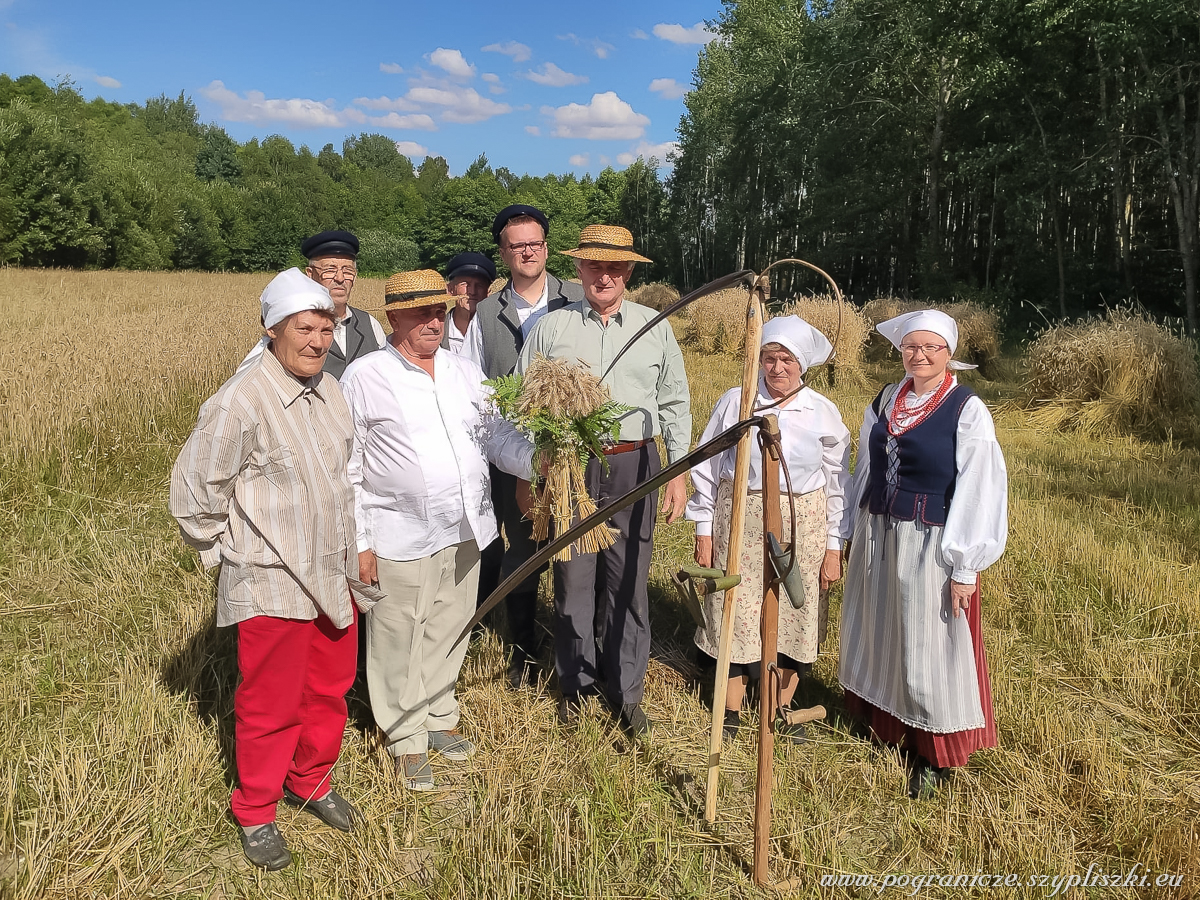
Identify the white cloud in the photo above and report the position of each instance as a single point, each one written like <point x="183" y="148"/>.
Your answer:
<point x="391" y="68"/>
<point x="386" y="103"/>
<point x="552" y="76"/>
<point x="534" y="130"/>
<point x="645" y="150"/>
<point x="106" y="81"/>
<point x="493" y="83"/>
<point x="606" y="117"/>
<point x="518" y="51"/>
<point x="255" y="107"/>
<point x="604" y="160"/>
<point x="452" y="63"/>
<point x="667" y="88"/>
<point x="415" y="122"/>
<point x="458" y="104"/>
<point x="412" y="148"/>
<point x="597" y="46"/>
<point x="579" y="159"/>
<point x="638" y="35"/>
<point x="677" y="34"/>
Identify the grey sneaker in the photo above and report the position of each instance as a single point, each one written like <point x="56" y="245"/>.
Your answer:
<point x="265" y="847"/>
<point x="451" y="745"/>
<point x="414" y="769"/>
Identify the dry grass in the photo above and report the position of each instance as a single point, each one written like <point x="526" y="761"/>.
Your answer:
<point x="497" y="284"/>
<point x="115" y="774"/>
<point x="845" y="327"/>
<point x="1123" y="372"/>
<point x="656" y="295"/>
<point x="978" y="330"/>
<point x="717" y="323"/>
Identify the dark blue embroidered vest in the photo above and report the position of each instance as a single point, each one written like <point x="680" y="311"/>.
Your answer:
<point x="926" y="477"/>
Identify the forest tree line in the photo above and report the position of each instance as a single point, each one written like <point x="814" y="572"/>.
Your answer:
<point x="1040" y="157"/>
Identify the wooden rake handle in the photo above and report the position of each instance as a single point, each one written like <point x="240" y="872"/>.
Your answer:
<point x="803" y="716"/>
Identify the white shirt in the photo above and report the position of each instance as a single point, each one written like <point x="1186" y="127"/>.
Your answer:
<point x="816" y="444"/>
<point x="976" y="527"/>
<point x="454" y="337"/>
<point x="419" y="463"/>
<point x="527" y="314"/>
<point x="339" y="338"/>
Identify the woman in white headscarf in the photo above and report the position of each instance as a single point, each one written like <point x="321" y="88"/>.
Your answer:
<point x="816" y="445"/>
<point x="928" y="513"/>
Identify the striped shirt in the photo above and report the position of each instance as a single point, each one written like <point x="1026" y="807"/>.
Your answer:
<point x="261" y="488"/>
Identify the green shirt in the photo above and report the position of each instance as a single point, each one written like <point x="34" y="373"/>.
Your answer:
<point x="650" y="377"/>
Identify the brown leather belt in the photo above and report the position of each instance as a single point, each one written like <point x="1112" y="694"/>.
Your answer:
<point x="625" y="446"/>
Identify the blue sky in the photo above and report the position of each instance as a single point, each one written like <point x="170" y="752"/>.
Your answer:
<point x="539" y="87"/>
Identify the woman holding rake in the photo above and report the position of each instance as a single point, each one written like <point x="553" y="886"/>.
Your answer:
<point x="929" y="512"/>
<point x="816" y="445"/>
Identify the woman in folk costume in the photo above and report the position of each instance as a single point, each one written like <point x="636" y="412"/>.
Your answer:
<point x="929" y="512"/>
<point x="816" y="446"/>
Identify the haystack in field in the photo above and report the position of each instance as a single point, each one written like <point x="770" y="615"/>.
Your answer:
<point x="978" y="329"/>
<point x="496" y="285"/>
<point x="567" y="413"/>
<point x="843" y="324"/>
<point x="657" y="295"/>
<point x="1122" y="372"/>
<point x="718" y="322"/>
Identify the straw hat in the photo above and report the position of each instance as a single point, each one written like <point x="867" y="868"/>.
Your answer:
<point x="606" y="243"/>
<point x="408" y="290"/>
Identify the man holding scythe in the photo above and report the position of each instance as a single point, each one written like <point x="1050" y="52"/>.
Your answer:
<point x="611" y="586"/>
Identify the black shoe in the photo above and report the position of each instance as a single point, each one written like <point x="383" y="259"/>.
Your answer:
<point x="569" y="706"/>
<point x="265" y="847"/>
<point x="334" y="810"/>
<point x="793" y="734"/>
<point x="633" y="721"/>
<point x="925" y="779"/>
<point x="521" y="670"/>
<point x="733" y="721"/>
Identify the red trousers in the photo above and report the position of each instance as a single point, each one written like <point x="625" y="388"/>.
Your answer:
<point x="289" y="709"/>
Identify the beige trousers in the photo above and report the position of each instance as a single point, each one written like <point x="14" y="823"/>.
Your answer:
<point x="411" y="670"/>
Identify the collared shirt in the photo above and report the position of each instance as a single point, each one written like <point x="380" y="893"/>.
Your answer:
<point x="339" y="338"/>
<point x="650" y="377"/>
<point x="260" y="487"/>
<point x="419" y="465"/>
<point x="816" y="445"/>
<point x="454" y="337"/>
<point x="528" y="315"/>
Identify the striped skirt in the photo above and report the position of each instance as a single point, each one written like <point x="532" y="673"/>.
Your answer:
<point x="917" y="673"/>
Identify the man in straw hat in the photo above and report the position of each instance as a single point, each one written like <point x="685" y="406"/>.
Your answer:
<point x="260" y="488"/>
<point x="494" y="339"/>
<point x="332" y="261"/>
<point x="423" y="438"/>
<point x="602" y="596"/>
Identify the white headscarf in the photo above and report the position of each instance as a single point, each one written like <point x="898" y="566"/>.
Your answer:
<point x="291" y="291"/>
<point x="809" y="346"/>
<point x="932" y="320"/>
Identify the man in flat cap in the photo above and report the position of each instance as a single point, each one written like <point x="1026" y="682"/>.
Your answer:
<point x="424" y="434"/>
<point x="469" y="277"/>
<point x="332" y="262"/>
<point x="604" y="595"/>
<point x="261" y="488"/>
<point x="494" y="340"/>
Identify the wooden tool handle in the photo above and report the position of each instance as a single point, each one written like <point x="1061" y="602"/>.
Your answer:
<point x="802" y="716"/>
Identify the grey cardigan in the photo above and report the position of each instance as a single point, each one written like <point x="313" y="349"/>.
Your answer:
<point x="500" y="328"/>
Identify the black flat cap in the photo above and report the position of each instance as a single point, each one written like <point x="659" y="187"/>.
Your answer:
<point x="511" y="212"/>
<point x="330" y="243"/>
<point x="471" y="263"/>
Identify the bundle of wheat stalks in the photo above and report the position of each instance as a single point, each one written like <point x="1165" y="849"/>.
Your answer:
<point x="1123" y="372"/>
<point x="566" y="412"/>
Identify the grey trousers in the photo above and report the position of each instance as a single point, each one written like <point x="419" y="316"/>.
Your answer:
<point x="498" y="563"/>
<point x="411" y="671"/>
<point x="602" y="597"/>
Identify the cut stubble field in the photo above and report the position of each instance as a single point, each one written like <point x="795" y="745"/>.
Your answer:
<point x="116" y="767"/>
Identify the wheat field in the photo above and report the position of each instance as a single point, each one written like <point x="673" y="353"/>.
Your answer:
<point x="115" y="770"/>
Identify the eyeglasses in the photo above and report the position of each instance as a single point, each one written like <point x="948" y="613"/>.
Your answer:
<point x="924" y="349"/>
<point x="531" y="246"/>
<point x="346" y="272"/>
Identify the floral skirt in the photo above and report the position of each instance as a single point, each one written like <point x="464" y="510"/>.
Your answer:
<point x="800" y="630"/>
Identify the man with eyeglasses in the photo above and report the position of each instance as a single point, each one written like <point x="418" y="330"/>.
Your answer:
<point x="494" y="340"/>
<point x="332" y="263"/>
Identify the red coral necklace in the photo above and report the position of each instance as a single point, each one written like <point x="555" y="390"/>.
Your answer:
<point x="900" y="407"/>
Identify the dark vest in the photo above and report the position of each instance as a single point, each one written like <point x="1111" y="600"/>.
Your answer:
<point x="500" y="328"/>
<point x="360" y="340"/>
<point x="927" y="472"/>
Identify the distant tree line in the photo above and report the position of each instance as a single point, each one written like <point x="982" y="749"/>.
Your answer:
<point x="1004" y="150"/>
<point x="94" y="184"/>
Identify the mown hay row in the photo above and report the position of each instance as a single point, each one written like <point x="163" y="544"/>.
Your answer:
<point x="978" y="329"/>
<point x="1122" y="372"/>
